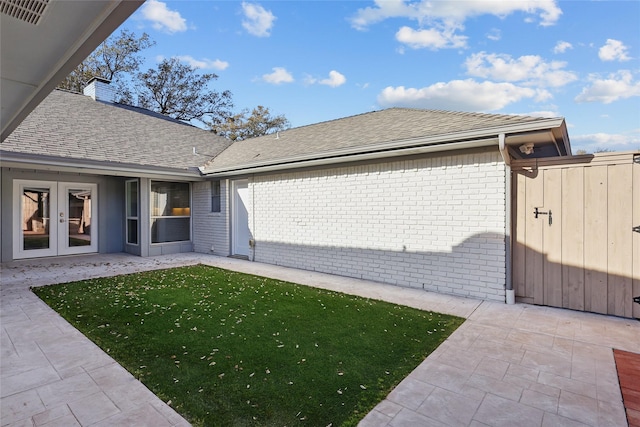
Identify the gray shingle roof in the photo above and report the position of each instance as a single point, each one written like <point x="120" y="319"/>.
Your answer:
<point x="71" y="125"/>
<point x="360" y="131"/>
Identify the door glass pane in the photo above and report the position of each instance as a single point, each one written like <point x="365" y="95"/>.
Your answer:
<point x="35" y="218"/>
<point x="132" y="231"/>
<point x="132" y="212"/>
<point x="79" y="220"/>
<point x="132" y="198"/>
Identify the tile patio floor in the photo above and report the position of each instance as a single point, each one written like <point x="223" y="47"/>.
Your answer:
<point x="516" y="365"/>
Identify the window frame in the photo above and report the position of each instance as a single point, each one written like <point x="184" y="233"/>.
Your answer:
<point x="216" y="196"/>
<point x="129" y="217"/>
<point x="153" y="218"/>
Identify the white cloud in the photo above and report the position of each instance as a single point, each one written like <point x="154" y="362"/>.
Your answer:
<point x="495" y="34"/>
<point x="309" y="80"/>
<point x="541" y="114"/>
<point x="617" y="86"/>
<point x="562" y="46"/>
<point x="335" y="79"/>
<point x="598" y="141"/>
<point x="613" y="50"/>
<point x="162" y="18"/>
<point x="453" y="11"/>
<point x="280" y="75"/>
<point x="440" y="20"/>
<point x="259" y="21"/>
<point x="431" y="38"/>
<point x="204" y="63"/>
<point x="382" y="10"/>
<point x="465" y="95"/>
<point x="528" y="69"/>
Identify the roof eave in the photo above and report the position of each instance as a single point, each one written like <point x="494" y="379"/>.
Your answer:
<point x="340" y="159"/>
<point x="453" y="141"/>
<point x="11" y="159"/>
<point x="82" y="41"/>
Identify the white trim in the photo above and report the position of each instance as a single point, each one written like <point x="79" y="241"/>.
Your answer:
<point x="278" y="165"/>
<point x="63" y="207"/>
<point x="235" y="226"/>
<point x="127" y="204"/>
<point x="58" y="209"/>
<point x="503" y="149"/>
<point x="58" y="164"/>
<point x="153" y="217"/>
<point x="18" y="235"/>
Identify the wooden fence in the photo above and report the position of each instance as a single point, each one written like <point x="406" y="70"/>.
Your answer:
<point x="574" y="244"/>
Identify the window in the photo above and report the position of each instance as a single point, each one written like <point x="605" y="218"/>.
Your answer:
<point x="132" y="211"/>
<point x="215" y="196"/>
<point x="170" y="212"/>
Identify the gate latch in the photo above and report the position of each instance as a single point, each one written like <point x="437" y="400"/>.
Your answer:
<point x="538" y="212"/>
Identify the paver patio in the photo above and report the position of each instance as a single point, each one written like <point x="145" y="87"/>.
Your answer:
<point x="505" y="366"/>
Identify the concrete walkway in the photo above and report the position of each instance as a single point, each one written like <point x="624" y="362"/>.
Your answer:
<point x="506" y="366"/>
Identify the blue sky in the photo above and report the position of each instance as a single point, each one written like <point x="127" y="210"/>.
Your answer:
<point x="314" y="61"/>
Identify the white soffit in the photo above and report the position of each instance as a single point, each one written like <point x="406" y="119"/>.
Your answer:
<point x="41" y="41"/>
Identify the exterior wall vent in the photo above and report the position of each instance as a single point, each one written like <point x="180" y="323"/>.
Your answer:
<point x="29" y="11"/>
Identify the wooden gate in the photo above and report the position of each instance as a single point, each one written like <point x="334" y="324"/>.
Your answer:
<point x="576" y="232"/>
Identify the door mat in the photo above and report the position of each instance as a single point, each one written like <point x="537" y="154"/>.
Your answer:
<point x="628" y="366"/>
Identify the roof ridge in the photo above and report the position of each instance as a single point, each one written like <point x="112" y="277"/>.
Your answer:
<point x="133" y="108"/>
<point x="467" y="113"/>
<point x="149" y="113"/>
<point x="72" y="92"/>
<point x="421" y="110"/>
<point x="333" y="120"/>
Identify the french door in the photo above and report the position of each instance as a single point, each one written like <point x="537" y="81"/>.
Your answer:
<point x="54" y="218"/>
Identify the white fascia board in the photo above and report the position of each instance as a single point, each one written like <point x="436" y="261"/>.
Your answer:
<point x="378" y="155"/>
<point x="27" y="161"/>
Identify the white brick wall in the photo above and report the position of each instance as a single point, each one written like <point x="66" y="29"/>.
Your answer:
<point x="210" y="229"/>
<point x="436" y="223"/>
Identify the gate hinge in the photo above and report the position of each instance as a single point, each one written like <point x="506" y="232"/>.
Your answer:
<point x="636" y="300"/>
<point x="636" y="158"/>
<point x="636" y="228"/>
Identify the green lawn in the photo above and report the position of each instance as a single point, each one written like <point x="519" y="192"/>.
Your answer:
<point x="231" y="349"/>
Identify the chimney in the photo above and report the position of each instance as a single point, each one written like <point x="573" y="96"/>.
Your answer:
<point x="99" y="89"/>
